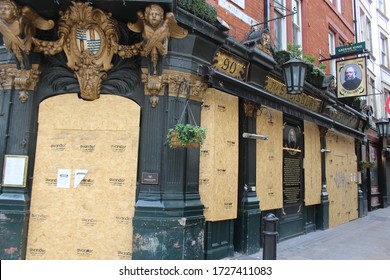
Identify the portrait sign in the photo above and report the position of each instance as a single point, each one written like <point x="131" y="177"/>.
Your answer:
<point x="351" y="77"/>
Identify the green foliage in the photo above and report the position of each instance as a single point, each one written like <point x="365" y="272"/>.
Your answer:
<point x="200" y="9"/>
<point x="295" y="50"/>
<point x="314" y="74"/>
<point x="187" y="134"/>
<point x="364" y="164"/>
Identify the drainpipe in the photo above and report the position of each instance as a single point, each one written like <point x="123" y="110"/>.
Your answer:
<point x="266" y="14"/>
<point x="354" y="20"/>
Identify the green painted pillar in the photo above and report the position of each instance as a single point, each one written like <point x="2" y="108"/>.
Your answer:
<point x="247" y="237"/>
<point x="17" y="138"/>
<point x="168" y="222"/>
<point x="14" y="217"/>
<point x="322" y="217"/>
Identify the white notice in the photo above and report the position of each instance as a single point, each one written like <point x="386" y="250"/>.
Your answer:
<point x="79" y="175"/>
<point x="63" y="178"/>
<point x="14" y="172"/>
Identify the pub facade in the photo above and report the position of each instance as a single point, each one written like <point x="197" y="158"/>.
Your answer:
<point x="89" y="92"/>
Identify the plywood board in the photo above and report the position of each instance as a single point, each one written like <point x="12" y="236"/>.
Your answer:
<point x="269" y="159"/>
<point x="93" y="219"/>
<point x="218" y="175"/>
<point x="341" y="178"/>
<point x="312" y="164"/>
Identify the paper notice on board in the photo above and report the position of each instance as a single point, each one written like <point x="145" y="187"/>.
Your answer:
<point x="79" y="175"/>
<point x="63" y="178"/>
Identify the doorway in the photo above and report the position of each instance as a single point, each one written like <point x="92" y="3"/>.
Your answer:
<point x="84" y="185"/>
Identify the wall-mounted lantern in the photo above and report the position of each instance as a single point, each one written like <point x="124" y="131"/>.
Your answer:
<point x="383" y="127"/>
<point x="294" y="72"/>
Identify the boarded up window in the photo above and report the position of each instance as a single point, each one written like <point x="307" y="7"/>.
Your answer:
<point x="218" y="176"/>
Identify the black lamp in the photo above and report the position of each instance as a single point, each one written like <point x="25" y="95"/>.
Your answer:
<point x="383" y="127"/>
<point x="294" y="72"/>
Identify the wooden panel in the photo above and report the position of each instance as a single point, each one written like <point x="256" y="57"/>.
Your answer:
<point x="219" y="156"/>
<point x="92" y="220"/>
<point x="312" y="164"/>
<point x="269" y="160"/>
<point x="341" y="179"/>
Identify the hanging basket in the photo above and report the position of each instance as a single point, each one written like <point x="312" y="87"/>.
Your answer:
<point x="186" y="136"/>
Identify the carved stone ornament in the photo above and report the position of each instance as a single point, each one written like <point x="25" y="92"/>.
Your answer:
<point x="156" y="31"/>
<point x="89" y="37"/>
<point x="197" y="86"/>
<point x="18" y="26"/>
<point x="265" y="43"/>
<point x="154" y="85"/>
<point x="251" y="109"/>
<point x="23" y="80"/>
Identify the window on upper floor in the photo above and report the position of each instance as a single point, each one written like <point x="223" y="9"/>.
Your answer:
<point x="332" y="44"/>
<point x="384" y="50"/>
<point x="240" y="3"/>
<point x="373" y="96"/>
<point x="336" y="3"/>
<point x="297" y="32"/>
<point x="279" y="25"/>
<point x="365" y="30"/>
<point x="381" y="6"/>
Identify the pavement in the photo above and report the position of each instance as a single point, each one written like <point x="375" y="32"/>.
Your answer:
<point x="366" y="238"/>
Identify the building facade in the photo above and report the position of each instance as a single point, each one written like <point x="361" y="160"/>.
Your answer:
<point x="372" y="25"/>
<point x="90" y="91"/>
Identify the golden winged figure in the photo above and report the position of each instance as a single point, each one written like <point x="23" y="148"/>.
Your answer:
<point x="156" y="31"/>
<point x="18" y="26"/>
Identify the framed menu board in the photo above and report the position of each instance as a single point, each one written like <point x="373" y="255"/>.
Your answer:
<point x="15" y="171"/>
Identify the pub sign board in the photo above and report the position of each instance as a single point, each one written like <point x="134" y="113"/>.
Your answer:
<point x="351" y="77"/>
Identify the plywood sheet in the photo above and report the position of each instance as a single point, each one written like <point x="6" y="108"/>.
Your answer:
<point x="341" y="178"/>
<point x="91" y="220"/>
<point x="269" y="159"/>
<point x="312" y="164"/>
<point x="218" y="175"/>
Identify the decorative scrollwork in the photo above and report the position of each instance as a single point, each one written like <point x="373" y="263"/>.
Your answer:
<point x="18" y="26"/>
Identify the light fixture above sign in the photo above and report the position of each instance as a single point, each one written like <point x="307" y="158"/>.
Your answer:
<point x="294" y="72"/>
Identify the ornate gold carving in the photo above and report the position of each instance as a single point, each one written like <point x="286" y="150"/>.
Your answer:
<point x="197" y="86"/>
<point x="23" y="80"/>
<point x="154" y="85"/>
<point x="18" y="26"/>
<point x="265" y="43"/>
<point x="251" y="108"/>
<point x="156" y="31"/>
<point x="230" y="64"/>
<point x="89" y="38"/>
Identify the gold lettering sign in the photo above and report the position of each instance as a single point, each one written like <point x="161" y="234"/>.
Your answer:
<point x="230" y="64"/>
<point x="275" y="87"/>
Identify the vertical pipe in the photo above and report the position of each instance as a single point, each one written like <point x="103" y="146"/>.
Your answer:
<point x="355" y="20"/>
<point x="266" y="13"/>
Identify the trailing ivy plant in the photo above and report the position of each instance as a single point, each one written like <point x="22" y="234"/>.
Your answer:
<point x="200" y="9"/>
